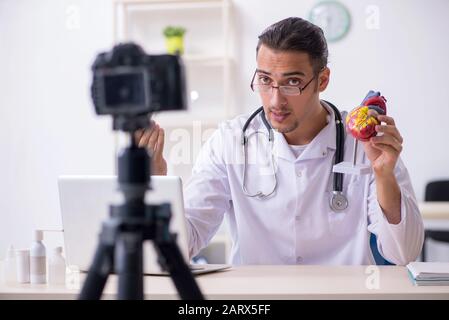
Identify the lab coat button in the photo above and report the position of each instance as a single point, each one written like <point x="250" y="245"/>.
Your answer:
<point x="298" y="174"/>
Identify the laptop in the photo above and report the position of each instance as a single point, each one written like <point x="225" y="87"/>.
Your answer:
<point x="84" y="204"/>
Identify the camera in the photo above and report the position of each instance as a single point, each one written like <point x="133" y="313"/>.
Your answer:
<point x="128" y="83"/>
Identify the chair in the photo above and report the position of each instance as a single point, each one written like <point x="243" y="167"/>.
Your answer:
<point x="436" y="191"/>
<point x="380" y="261"/>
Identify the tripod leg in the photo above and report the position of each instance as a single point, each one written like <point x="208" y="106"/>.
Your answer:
<point x="98" y="273"/>
<point x="179" y="271"/>
<point x="129" y="266"/>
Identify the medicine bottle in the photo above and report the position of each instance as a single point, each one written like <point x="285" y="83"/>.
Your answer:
<point x="23" y="265"/>
<point x="38" y="262"/>
<point x="56" y="267"/>
<point x="9" y="269"/>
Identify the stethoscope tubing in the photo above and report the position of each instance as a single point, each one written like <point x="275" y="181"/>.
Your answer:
<point x="339" y="154"/>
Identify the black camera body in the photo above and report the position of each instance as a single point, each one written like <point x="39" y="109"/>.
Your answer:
<point x="128" y="83"/>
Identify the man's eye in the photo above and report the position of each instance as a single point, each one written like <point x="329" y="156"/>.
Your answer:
<point x="294" y="82"/>
<point x="264" y="80"/>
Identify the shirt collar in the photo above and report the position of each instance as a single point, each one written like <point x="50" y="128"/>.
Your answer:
<point x="317" y="148"/>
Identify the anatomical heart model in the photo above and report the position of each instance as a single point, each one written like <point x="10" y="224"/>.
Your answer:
<point x="361" y="124"/>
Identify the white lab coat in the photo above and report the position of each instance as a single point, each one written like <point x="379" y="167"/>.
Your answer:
<point x="295" y="225"/>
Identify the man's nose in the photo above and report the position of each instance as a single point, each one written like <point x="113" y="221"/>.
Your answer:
<point x="277" y="98"/>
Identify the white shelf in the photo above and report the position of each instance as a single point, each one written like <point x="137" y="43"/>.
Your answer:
<point x="172" y="4"/>
<point x="206" y="60"/>
<point x="173" y="119"/>
<point x="146" y="5"/>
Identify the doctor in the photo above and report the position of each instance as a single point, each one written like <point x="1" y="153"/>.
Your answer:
<point x="277" y="200"/>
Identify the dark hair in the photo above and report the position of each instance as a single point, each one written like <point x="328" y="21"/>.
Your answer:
<point x="296" y="34"/>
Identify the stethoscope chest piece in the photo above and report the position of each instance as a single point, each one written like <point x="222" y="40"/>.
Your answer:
<point x="338" y="201"/>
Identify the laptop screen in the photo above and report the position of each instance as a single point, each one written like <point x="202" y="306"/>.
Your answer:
<point x="84" y="204"/>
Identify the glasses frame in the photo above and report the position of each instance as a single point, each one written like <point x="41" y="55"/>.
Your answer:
<point x="279" y="87"/>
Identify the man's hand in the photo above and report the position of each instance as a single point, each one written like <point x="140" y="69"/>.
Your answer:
<point x="153" y="140"/>
<point x="383" y="150"/>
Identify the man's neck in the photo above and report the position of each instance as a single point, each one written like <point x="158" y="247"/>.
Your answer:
<point x="309" y="128"/>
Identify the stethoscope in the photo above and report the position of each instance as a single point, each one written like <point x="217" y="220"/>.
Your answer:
<point x="338" y="201"/>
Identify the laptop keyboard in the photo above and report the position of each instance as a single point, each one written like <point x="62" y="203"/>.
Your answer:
<point x="196" y="267"/>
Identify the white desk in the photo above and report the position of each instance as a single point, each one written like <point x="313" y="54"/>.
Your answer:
<point x="267" y="282"/>
<point x="435" y="215"/>
<point x="434" y="210"/>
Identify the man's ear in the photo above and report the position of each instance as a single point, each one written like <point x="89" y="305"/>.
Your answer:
<point x="323" y="79"/>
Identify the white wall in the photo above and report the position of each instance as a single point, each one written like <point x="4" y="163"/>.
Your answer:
<point x="48" y="126"/>
<point x="406" y="59"/>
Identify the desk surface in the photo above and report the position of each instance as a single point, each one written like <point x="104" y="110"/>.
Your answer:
<point x="267" y="282"/>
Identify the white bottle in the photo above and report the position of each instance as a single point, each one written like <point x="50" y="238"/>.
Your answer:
<point x="23" y="265"/>
<point x="38" y="262"/>
<point x="9" y="268"/>
<point x="56" y="268"/>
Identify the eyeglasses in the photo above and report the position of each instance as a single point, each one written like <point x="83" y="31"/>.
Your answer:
<point x="285" y="90"/>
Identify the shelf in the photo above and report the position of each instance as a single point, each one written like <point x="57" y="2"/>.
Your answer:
<point x="206" y="60"/>
<point x="206" y="57"/>
<point x="153" y="5"/>
<point x="173" y="119"/>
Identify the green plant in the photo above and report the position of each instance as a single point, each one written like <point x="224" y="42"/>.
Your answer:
<point x="174" y="31"/>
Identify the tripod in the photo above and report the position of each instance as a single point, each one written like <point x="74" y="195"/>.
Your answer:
<point x="122" y="235"/>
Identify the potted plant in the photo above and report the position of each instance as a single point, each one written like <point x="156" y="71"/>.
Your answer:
<point x="174" y="39"/>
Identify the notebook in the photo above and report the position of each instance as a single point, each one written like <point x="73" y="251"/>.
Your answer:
<point x="429" y="273"/>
